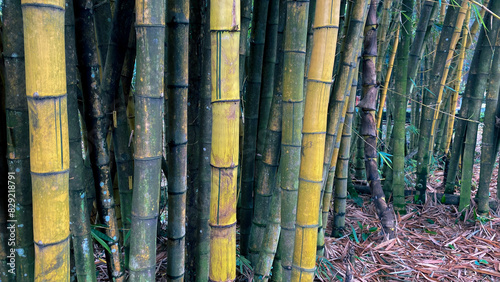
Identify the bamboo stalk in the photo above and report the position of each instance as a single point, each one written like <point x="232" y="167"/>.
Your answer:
<point x="479" y="78"/>
<point x="176" y="82"/>
<point x="387" y="78"/>
<point x="251" y="103"/>
<point x="294" y="56"/>
<point x="447" y="41"/>
<point x="458" y="80"/>
<point x="267" y="159"/>
<point x="96" y="123"/>
<point x="204" y="178"/>
<point x="341" y="168"/>
<point x="79" y="214"/>
<point x="150" y="33"/>
<point x="225" y="38"/>
<point x="269" y="192"/>
<point x="400" y="106"/>
<point x="368" y="127"/>
<point x="313" y="141"/>
<point x="102" y="21"/>
<point x="18" y="147"/>
<point x="381" y="39"/>
<point x="49" y="148"/>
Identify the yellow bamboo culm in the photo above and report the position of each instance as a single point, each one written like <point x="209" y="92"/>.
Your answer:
<point x="454" y="39"/>
<point x="458" y="80"/>
<point x="225" y="40"/>
<point x="49" y="144"/>
<point x="383" y="95"/>
<point x="313" y="142"/>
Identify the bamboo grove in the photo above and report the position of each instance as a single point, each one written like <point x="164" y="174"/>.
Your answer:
<point x="233" y="132"/>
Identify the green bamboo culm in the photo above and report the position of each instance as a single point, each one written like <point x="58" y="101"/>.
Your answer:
<point x="341" y="168"/>
<point x="204" y="177"/>
<point x="368" y="126"/>
<point x="96" y="123"/>
<point x="294" y="49"/>
<point x="478" y="80"/>
<point x="490" y="133"/>
<point x="83" y="249"/>
<point x="400" y="105"/>
<point x="267" y="83"/>
<point x="18" y="147"/>
<point x="266" y="158"/>
<point x="177" y="34"/>
<point x="246" y="18"/>
<point x="4" y="274"/>
<point x="251" y="101"/>
<point x="269" y="192"/>
<point x="382" y="41"/>
<point x="150" y="30"/>
<point x="310" y="33"/>
<point x="438" y="72"/>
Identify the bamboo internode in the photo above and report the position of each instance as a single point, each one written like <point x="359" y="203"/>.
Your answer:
<point x="49" y="142"/>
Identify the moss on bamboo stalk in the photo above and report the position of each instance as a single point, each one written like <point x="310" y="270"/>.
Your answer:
<point x="294" y="48"/>
<point x="150" y="31"/>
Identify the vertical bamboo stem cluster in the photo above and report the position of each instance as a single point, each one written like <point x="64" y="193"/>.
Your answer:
<point x="458" y="81"/>
<point x="267" y="158"/>
<point x="294" y="53"/>
<point x="49" y="148"/>
<point x="150" y="31"/>
<point x="177" y="92"/>
<point x="18" y="147"/>
<point x="97" y="123"/>
<point x="445" y="46"/>
<point x="368" y="127"/>
<point x="225" y="38"/>
<point x="251" y="110"/>
<point x="319" y="84"/>
<point x="79" y="214"/>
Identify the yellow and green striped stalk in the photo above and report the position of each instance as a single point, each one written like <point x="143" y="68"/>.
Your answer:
<point x="313" y="141"/>
<point x="368" y="126"/>
<point x="450" y="52"/>
<point x="225" y="38"/>
<point x="96" y="123"/>
<point x="268" y="151"/>
<point x="294" y="53"/>
<point x="83" y="249"/>
<point x="251" y="103"/>
<point x="458" y="81"/>
<point x="18" y="147"/>
<point x="49" y="144"/>
<point x="177" y="36"/>
<point x="383" y="95"/>
<point x="341" y="167"/>
<point x="150" y="31"/>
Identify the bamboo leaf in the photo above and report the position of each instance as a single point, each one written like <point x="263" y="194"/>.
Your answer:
<point x="99" y="240"/>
